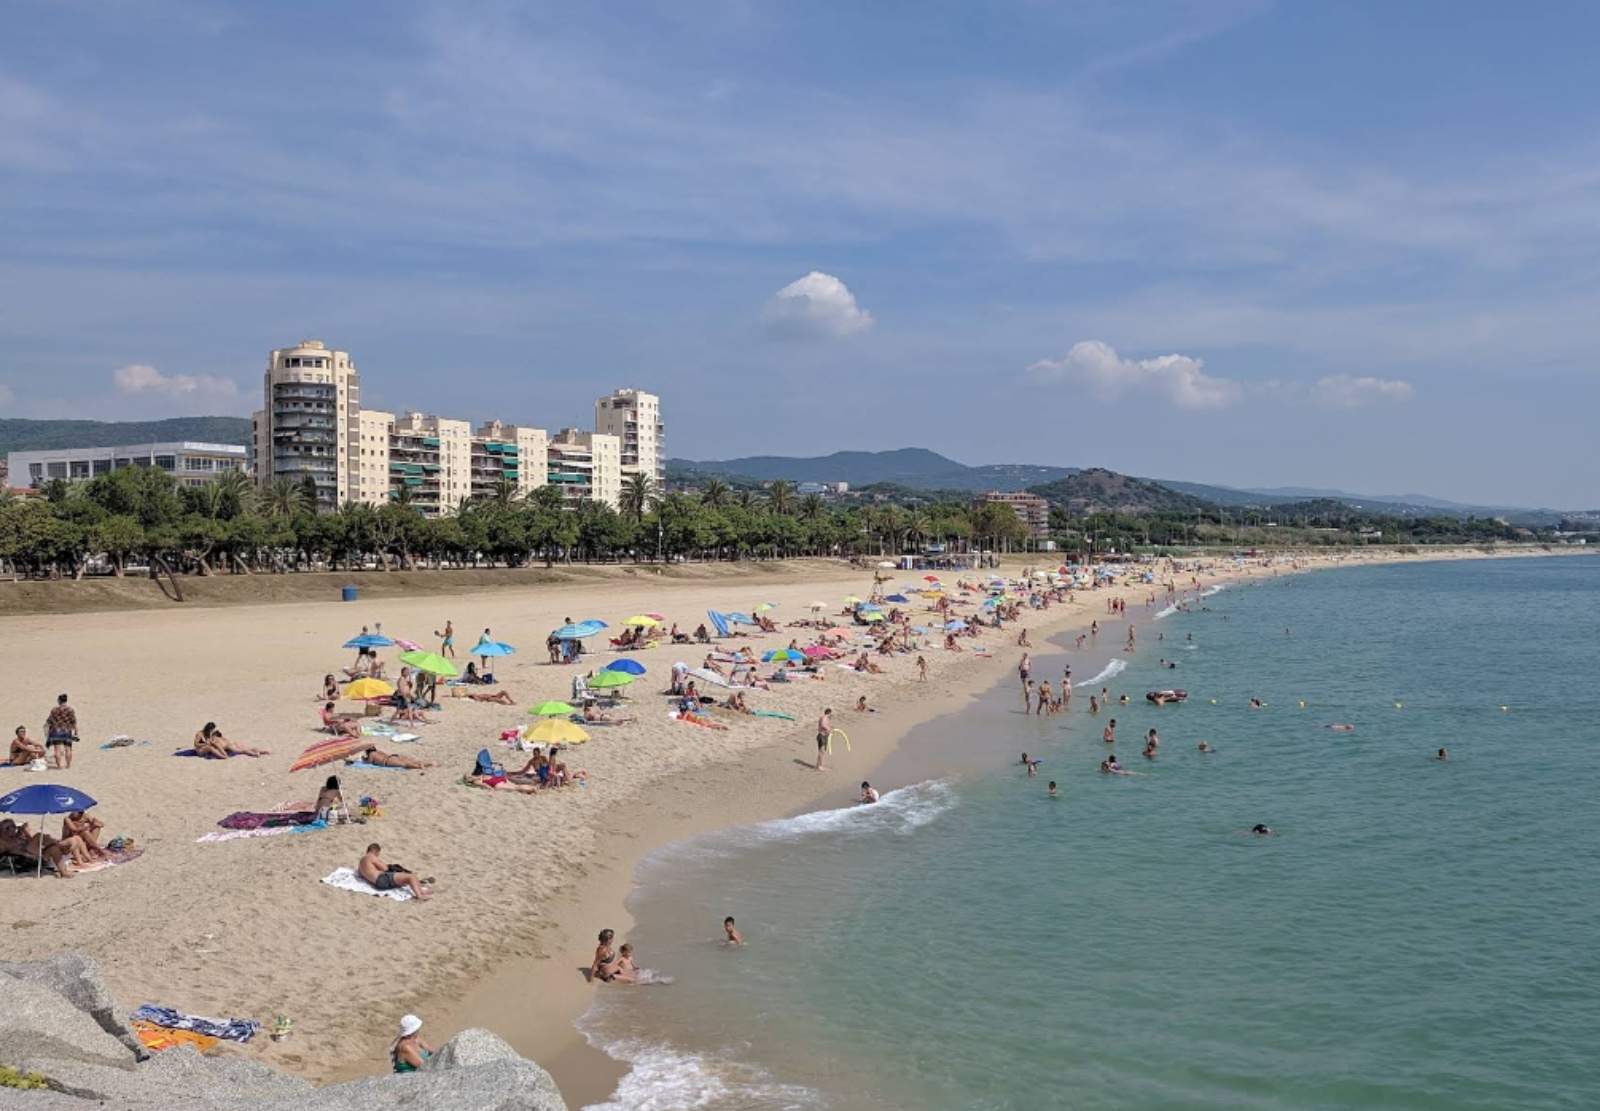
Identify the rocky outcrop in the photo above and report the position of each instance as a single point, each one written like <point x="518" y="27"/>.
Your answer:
<point x="58" y="1019"/>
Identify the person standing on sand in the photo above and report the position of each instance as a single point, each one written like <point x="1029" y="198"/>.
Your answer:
<point x="922" y="670"/>
<point x="824" y="730"/>
<point x="1024" y="668"/>
<point x="61" y="733"/>
<point x="447" y="639"/>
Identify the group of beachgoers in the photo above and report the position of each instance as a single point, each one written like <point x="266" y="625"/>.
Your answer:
<point x="60" y="735"/>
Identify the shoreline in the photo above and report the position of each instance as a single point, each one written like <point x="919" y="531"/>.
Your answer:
<point x="528" y="880"/>
<point x="585" y="1073"/>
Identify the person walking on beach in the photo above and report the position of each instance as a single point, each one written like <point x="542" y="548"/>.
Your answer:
<point x="1044" y="699"/>
<point x="824" y="730"/>
<point x="922" y="670"/>
<point x="447" y="639"/>
<point x="61" y="733"/>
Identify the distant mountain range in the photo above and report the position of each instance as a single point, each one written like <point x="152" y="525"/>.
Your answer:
<point x="921" y="469"/>
<point x="44" y="435"/>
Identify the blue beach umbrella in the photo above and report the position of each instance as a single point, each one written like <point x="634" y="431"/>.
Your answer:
<point x="631" y="667"/>
<point x="579" y="631"/>
<point x="492" y="648"/>
<point x="783" y="654"/>
<point x="44" y="798"/>
<point x="900" y="598"/>
<point x="369" y="640"/>
<point x="719" y="621"/>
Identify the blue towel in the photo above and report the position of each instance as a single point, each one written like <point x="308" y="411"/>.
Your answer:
<point x="232" y="1029"/>
<point x="375" y="767"/>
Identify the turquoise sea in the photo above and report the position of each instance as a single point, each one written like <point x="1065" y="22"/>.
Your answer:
<point x="1415" y="934"/>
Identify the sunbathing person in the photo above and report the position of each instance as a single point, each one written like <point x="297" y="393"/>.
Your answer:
<point x="388" y="877"/>
<point x="85" y="829"/>
<point x="710" y="664"/>
<point x="496" y="782"/>
<point x="65" y="856"/>
<point x="210" y="743"/>
<point x="403" y="701"/>
<point x="864" y="664"/>
<point x="330" y="689"/>
<point x="595" y="715"/>
<point x="372" y="754"/>
<point x="502" y="698"/>
<point x="348" y="724"/>
<point x="330" y="805"/>
<point x="24" y="749"/>
<point x="736" y="703"/>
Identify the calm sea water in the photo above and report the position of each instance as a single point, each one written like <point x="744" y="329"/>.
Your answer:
<point x="1416" y="934"/>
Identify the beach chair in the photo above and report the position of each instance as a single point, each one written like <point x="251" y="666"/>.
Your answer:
<point x="486" y="764"/>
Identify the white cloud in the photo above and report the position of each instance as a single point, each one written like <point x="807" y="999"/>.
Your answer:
<point x="1178" y="379"/>
<point x="137" y="378"/>
<point x="1347" y="391"/>
<point x="817" y="305"/>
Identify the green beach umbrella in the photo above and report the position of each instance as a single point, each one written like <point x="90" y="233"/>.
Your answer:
<point x="431" y="662"/>
<point x="554" y="708"/>
<point x="608" y="679"/>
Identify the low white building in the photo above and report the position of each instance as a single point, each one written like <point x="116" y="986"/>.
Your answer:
<point x="190" y="462"/>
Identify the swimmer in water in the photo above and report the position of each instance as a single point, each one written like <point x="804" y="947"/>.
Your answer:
<point x="1052" y="788"/>
<point x="1256" y="703"/>
<point x="1260" y="830"/>
<point x="1342" y="727"/>
<point x="1122" y="698"/>
<point x="1031" y="765"/>
<point x="1094" y="705"/>
<point x="1110" y="766"/>
<point x="1204" y="747"/>
<point x="730" y="932"/>
<point x="1443" y="755"/>
<point x="869" y="793"/>
<point x="1109" y="734"/>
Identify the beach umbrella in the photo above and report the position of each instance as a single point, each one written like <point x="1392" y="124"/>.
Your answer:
<point x="657" y="616"/>
<point x="491" y="648"/>
<point x="631" y="667"/>
<point x="579" y="630"/>
<point x="408" y="645"/>
<point x="852" y="600"/>
<point x="41" y="799"/>
<point x="817" y="650"/>
<point x="642" y="621"/>
<point x="782" y="654"/>
<point x="326" y="752"/>
<point x="887" y="565"/>
<point x="431" y="662"/>
<point x="954" y="626"/>
<point x="871" y="616"/>
<point x="930" y="578"/>
<point x="553" y="708"/>
<point x="363" y="689"/>
<point x="605" y="679"/>
<point x="765" y="606"/>
<point x="897" y="598"/>
<point x="368" y="640"/>
<point x="557" y="731"/>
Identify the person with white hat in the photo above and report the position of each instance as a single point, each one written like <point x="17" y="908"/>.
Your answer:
<point x="408" y="1052"/>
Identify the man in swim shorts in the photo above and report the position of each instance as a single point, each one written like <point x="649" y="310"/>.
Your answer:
<point x="388" y="877"/>
<point x="824" y="729"/>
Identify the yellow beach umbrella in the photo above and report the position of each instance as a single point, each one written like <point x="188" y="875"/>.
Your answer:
<point x="368" y="688"/>
<point x="642" y="621"/>
<point x="557" y="731"/>
<point x="852" y="600"/>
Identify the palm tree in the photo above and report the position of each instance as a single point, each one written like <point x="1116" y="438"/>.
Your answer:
<point x="284" y="497"/>
<point x="714" y="494"/>
<point x="811" y="508"/>
<point x="638" y="495"/>
<point x="780" y="496"/>
<point x="746" y="498"/>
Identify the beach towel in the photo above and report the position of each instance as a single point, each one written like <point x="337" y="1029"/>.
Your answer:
<point x="374" y="767"/>
<point x="236" y="834"/>
<point x="228" y="1029"/>
<point x="779" y="714"/>
<point x="345" y="879"/>
<point x="156" y="1038"/>
<point x="191" y="752"/>
<point x="122" y="740"/>
<point x="253" y="819"/>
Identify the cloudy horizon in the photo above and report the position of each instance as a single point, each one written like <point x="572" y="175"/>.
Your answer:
<point x="1235" y="242"/>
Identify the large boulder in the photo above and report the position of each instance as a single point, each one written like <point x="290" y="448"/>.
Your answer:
<point x="40" y="1031"/>
<point x="77" y="979"/>
<point x="509" y="1085"/>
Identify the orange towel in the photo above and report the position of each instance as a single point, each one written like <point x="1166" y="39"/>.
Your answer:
<point x="156" y="1038"/>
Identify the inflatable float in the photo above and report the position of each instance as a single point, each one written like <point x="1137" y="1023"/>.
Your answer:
<point x="1161" y="698"/>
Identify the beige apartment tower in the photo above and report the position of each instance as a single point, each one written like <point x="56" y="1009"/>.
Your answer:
<point x="311" y="423"/>
<point x="634" y="418"/>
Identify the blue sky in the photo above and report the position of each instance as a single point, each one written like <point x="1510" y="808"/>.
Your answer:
<point x="1346" y="244"/>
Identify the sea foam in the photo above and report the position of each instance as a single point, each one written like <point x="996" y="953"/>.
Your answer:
<point x="661" y="1078"/>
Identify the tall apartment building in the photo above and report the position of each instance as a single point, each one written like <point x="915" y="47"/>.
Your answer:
<point x="311" y="422"/>
<point x="634" y="418"/>
<point x="511" y="453"/>
<point x="1032" y="509"/>
<point x="442" y="462"/>
<point x="587" y="466"/>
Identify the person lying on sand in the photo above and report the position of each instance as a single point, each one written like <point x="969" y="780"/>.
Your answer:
<point x="210" y="743"/>
<point x="388" y="877"/>
<point x="501" y="697"/>
<point x="372" y="754"/>
<point x="24" y="749"/>
<point x="593" y="713"/>
<point x="497" y="783"/>
<point x="86" y="829"/>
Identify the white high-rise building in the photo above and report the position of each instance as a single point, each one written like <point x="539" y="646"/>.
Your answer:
<point x="311" y="423"/>
<point x="634" y="418"/>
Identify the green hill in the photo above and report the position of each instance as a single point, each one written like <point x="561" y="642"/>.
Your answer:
<point x="46" y="435"/>
<point x="1097" y="490"/>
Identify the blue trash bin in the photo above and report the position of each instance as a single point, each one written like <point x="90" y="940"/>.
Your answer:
<point x="348" y="594"/>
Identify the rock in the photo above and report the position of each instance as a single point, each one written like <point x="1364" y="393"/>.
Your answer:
<point x="471" y="1047"/>
<point x="504" y="1085"/>
<point x="76" y="977"/>
<point x="40" y="1031"/>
